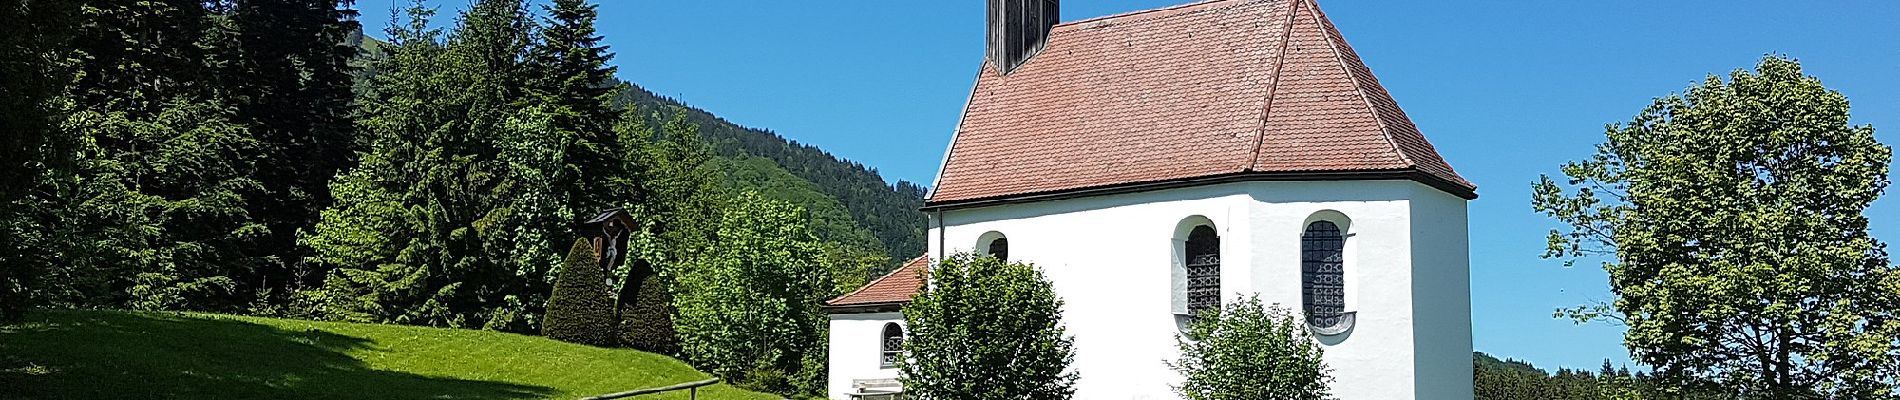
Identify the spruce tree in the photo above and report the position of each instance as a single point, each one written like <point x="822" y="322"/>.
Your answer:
<point x="290" y="81"/>
<point x="35" y="58"/>
<point x="448" y="220"/>
<point x="165" y="175"/>
<point x="572" y="78"/>
<point x="579" y="310"/>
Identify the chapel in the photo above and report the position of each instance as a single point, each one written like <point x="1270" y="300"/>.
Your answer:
<point x="1157" y="163"/>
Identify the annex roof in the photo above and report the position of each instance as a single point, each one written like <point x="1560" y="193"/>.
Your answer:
<point x="1222" y="89"/>
<point x="892" y="289"/>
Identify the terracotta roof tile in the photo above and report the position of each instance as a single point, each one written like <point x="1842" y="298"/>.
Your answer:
<point x="896" y="287"/>
<point x="1206" y="89"/>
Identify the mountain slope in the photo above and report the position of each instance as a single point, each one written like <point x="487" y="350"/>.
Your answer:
<point x="889" y="211"/>
<point x="846" y="200"/>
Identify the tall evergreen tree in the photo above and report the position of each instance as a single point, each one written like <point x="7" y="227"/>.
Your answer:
<point x="572" y="77"/>
<point x="449" y="218"/>
<point x="157" y="218"/>
<point x="35" y="58"/>
<point x="290" y="82"/>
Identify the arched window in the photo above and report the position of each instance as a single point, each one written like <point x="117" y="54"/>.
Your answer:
<point x="1323" y="275"/>
<point x="893" y="345"/>
<point x="999" y="248"/>
<point x="1202" y="259"/>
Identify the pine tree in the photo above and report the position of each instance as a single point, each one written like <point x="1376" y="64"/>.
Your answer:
<point x="579" y="310"/>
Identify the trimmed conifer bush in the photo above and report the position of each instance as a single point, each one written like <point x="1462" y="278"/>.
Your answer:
<point x="646" y="319"/>
<point x="579" y="310"/>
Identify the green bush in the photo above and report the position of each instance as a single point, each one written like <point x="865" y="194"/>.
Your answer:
<point x="986" y="329"/>
<point x="579" y="310"/>
<point x="1247" y="351"/>
<point x="646" y="318"/>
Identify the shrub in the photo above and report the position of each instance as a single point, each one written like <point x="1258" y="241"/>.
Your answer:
<point x="646" y="318"/>
<point x="579" y="310"/>
<point x="1246" y="351"/>
<point x="986" y="329"/>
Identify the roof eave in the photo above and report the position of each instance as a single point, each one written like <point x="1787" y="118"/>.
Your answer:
<point x="1413" y="174"/>
<point x="865" y="308"/>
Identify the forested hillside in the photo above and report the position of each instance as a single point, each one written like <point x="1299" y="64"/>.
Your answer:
<point x="876" y="215"/>
<point x="1509" y="379"/>
<point x="888" y="210"/>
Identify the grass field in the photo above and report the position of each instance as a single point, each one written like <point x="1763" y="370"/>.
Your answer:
<point x="108" y="354"/>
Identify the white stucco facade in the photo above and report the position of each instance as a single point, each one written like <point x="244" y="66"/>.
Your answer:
<point x="855" y="350"/>
<point x="1114" y="260"/>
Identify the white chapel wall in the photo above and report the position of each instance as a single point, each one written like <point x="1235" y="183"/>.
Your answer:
<point x="1111" y="258"/>
<point x="855" y="348"/>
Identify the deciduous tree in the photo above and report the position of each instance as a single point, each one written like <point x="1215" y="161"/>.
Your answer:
<point x="748" y="307"/>
<point x="986" y="329"/>
<point x="1731" y="220"/>
<point x="1244" y="350"/>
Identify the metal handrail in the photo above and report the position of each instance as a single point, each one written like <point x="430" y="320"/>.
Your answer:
<point x="693" y="387"/>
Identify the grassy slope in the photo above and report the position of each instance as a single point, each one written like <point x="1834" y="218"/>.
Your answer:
<point x="105" y="354"/>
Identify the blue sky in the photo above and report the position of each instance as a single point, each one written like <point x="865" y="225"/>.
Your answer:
<point x="1505" y="89"/>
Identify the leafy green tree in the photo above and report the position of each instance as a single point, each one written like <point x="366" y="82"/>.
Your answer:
<point x="983" y="329"/>
<point x="1248" y="351"/>
<point x="579" y="310"/>
<point x="1731" y="217"/>
<point x="748" y="307"/>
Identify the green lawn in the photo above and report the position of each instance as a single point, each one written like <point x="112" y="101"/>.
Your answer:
<point x="107" y="354"/>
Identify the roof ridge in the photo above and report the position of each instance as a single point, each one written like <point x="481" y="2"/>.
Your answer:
<point x="867" y="285"/>
<point x="1273" y="82"/>
<point x="1118" y="16"/>
<point x="1333" y="41"/>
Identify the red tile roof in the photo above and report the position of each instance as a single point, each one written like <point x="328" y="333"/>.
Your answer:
<point x="1260" y="89"/>
<point x="895" y="288"/>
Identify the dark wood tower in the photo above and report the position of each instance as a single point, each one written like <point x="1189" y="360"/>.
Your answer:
<point x="1018" y="29"/>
